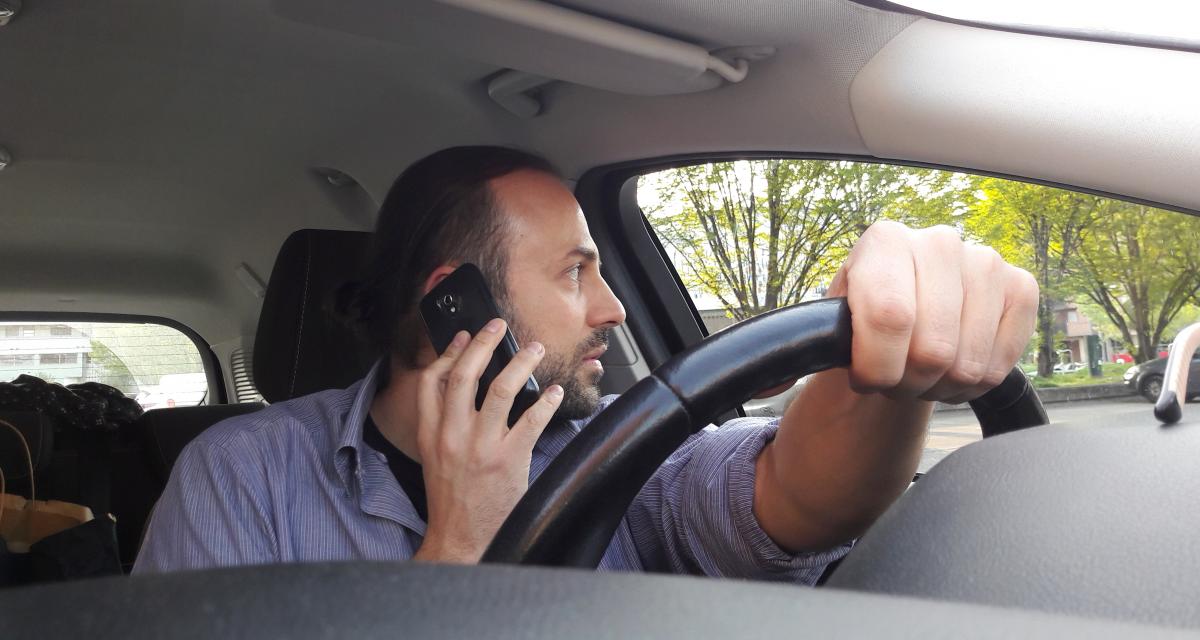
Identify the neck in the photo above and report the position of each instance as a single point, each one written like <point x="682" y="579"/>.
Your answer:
<point x="394" y="408"/>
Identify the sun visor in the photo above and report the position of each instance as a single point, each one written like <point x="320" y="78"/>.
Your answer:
<point x="541" y="43"/>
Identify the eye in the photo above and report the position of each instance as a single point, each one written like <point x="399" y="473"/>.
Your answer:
<point x="574" y="272"/>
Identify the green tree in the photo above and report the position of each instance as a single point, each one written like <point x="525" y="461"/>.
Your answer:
<point x="106" y="367"/>
<point x="1040" y="229"/>
<point x="763" y="234"/>
<point x="1141" y="266"/>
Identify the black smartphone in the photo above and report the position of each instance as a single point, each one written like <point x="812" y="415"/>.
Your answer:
<point x="463" y="302"/>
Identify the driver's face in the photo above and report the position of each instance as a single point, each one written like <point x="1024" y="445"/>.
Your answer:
<point x="556" y="295"/>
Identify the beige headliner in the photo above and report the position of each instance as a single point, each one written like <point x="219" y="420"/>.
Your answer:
<point x="160" y="144"/>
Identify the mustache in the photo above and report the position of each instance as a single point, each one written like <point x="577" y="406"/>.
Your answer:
<point x="599" y="338"/>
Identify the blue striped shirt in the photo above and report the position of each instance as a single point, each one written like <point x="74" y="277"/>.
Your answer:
<point x="296" y="483"/>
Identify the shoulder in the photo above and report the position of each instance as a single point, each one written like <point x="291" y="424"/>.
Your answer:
<point x="275" y="432"/>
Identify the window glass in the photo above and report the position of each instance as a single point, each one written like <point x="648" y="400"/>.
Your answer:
<point x="157" y="365"/>
<point x="1151" y="19"/>
<point x="1118" y="279"/>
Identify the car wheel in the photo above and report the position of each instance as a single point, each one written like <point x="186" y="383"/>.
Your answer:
<point x="1151" y="387"/>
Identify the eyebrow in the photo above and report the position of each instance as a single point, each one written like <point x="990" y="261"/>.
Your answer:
<point x="586" y="253"/>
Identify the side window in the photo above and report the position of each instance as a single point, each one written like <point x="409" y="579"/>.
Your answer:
<point x="157" y="365"/>
<point x="1118" y="279"/>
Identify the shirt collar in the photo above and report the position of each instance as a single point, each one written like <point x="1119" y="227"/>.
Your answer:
<point x="350" y="430"/>
<point x="363" y="471"/>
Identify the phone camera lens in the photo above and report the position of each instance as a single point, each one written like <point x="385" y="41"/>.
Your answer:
<point x="448" y="304"/>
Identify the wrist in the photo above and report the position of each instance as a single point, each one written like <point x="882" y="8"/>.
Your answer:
<point x="435" y="548"/>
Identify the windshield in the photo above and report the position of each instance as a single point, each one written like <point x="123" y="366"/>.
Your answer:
<point x="1156" y="21"/>
<point x="1119" y="279"/>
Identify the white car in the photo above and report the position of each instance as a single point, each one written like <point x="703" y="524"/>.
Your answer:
<point x="174" y="390"/>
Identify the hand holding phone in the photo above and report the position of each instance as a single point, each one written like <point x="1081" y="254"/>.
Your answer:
<point x="476" y="466"/>
<point x="463" y="302"/>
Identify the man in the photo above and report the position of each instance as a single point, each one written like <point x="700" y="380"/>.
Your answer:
<point x="401" y="465"/>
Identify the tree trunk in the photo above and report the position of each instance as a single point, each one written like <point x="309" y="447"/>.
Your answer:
<point x="1045" y="354"/>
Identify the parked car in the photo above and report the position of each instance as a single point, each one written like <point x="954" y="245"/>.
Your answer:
<point x="174" y="390"/>
<point x="1147" y="378"/>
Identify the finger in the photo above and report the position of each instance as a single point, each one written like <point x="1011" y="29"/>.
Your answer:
<point x="983" y="305"/>
<point x="462" y="381"/>
<point x="529" y="428"/>
<point x="505" y="387"/>
<point x="1021" y="299"/>
<point x="880" y="289"/>
<point x="937" y="262"/>
<point x="430" y="388"/>
<point x="453" y="351"/>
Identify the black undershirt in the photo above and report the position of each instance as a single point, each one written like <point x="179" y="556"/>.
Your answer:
<point x="406" y="470"/>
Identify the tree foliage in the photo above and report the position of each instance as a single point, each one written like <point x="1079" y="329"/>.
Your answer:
<point x="1141" y="267"/>
<point x="762" y="234"/>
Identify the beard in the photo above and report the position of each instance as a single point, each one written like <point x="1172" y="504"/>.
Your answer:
<point x="581" y="390"/>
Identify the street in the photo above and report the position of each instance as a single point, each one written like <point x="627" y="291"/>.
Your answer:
<point x="949" y="430"/>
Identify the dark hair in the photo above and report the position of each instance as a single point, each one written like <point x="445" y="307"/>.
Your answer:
<point x="441" y="209"/>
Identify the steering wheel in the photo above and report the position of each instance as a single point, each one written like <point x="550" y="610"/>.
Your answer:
<point x="571" y="512"/>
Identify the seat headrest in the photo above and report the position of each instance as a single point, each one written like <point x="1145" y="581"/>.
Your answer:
<point x="301" y="345"/>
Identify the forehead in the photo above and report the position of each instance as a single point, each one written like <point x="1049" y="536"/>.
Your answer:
<point x="545" y="221"/>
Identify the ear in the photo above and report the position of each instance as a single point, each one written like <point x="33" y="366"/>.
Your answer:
<point x="436" y="276"/>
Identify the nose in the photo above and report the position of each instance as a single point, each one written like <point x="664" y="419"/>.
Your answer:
<point x="607" y="311"/>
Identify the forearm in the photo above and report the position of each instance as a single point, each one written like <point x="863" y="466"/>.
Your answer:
<point x="838" y="460"/>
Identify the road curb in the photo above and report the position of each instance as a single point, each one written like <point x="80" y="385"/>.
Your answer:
<point x="1063" y="394"/>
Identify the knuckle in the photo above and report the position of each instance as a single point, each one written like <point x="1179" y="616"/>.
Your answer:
<point x="943" y="234"/>
<point x="885" y="231"/>
<point x="502" y="390"/>
<point x="993" y="377"/>
<point x="987" y="258"/>
<point x="892" y="316"/>
<point x="932" y="356"/>
<point x="967" y="373"/>
<point x="1027" y="286"/>
<point x="458" y="379"/>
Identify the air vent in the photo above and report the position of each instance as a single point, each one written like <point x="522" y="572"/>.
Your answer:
<point x="243" y="377"/>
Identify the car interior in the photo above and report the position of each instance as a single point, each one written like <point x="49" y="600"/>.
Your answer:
<point x="218" y="167"/>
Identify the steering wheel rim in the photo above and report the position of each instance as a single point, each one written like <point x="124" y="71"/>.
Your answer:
<point x="571" y="512"/>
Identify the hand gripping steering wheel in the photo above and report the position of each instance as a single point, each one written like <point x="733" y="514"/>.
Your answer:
<point x="571" y="512"/>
